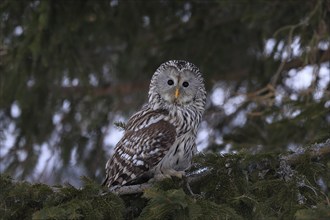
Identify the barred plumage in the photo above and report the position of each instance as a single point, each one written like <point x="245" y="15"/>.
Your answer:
<point x="159" y="140"/>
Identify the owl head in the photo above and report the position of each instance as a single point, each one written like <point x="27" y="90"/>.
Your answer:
<point x="176" y="82"/>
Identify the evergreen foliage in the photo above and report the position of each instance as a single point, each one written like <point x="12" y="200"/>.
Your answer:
<point x="230" y="186"/>
<point x="22" y="200"/>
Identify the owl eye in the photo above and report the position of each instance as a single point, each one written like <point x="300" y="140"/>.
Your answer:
<point x="185" y="84"/>
<point x="170" y="82"/>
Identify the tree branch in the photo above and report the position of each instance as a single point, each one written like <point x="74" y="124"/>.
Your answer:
<point x="316" y="151"/>
<point x="133" y="189"/>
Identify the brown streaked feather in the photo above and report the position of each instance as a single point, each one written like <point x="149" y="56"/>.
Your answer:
<point x="140" y="150"/>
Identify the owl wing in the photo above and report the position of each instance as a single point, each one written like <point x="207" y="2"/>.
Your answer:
<point x="147" y="139"/>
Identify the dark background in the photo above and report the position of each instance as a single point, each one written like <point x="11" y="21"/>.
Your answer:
<point x="70" y="69"/>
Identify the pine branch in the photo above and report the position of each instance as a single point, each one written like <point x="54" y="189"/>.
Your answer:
<point x="315" y="151"/>
<point x="133" y="189"/>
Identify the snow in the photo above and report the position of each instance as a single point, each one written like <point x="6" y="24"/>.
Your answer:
<point x="15" y="110"/>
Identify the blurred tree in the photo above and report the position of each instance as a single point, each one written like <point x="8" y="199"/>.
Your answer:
<point x="69" y="69"/>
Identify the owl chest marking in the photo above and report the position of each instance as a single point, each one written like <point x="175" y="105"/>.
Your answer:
<point x="179" y="155"/>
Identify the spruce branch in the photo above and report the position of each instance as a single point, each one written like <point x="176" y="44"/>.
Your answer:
<point x="316" y="151"/>
<point x="132" y="189"/>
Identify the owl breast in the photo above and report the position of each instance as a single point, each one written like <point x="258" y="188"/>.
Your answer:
<point x="181" y="152"/>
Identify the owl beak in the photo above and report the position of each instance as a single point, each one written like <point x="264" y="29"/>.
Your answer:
<point x="176" y="93"/>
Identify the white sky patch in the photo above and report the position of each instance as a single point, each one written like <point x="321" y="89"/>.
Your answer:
<point x="218" y="96"/>
<point x="113" y="3"/>
<point x="327" y="104"/>
<point x="44" y="157"/>
<point x="66" y="106"/>
<point x="9" y="135"/>
<point x="295" y="48"/>
<point x="218" y="139"/>
<point x="186" y="12"/>
<point x="278" y="54"/>
<point x="47" y="160"/>
<point x="203" y="134"/>
<point x="294" y="97"/>
<point x="294" y="113"/>
<point x="112" y="134"/>
<point x="280" y="94"/>
<point x="269" y="46"/>
<point x="30" y="83"/>
<point x="18" y="31"/>
<point x="324" y="75"/>
<point x="269" y="119"/>
<point x="65" y="81"/>
<point x="22" y="155"/>
<point x="233" y="103"/>
<point x="324" y="45"/>
<point x="323" y="82"/>
<point x="75" y="82"/>
<point x="74" y="156"/>
<point x="93" y="80"/>
<point x="300" y="80"/>
<point x="240" y="119"/>
<point x="15" y="110"/>
<point x="221" y="96"/>
<point x="228" y="148"/>
<point x="57" y="117"/>
<point x="145" y="21"/>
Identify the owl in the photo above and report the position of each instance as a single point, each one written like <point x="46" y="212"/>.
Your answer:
<point x="159" y="140"/>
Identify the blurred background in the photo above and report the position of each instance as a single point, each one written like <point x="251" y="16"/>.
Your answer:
<point x="70" y="69"/>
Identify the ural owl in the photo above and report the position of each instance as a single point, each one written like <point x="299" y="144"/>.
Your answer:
<point x="159" y="140"/>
